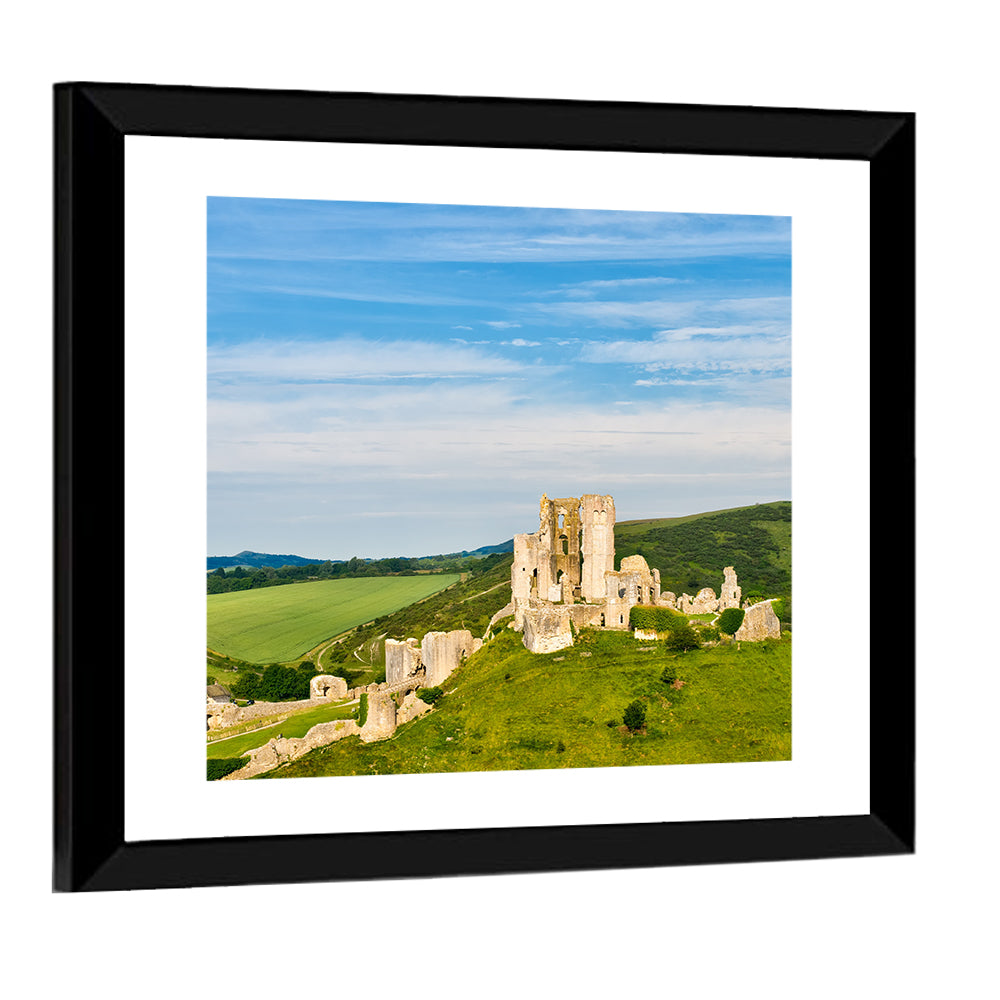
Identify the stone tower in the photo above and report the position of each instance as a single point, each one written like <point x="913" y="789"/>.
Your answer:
<point x="559" y="534"/>
<point x="597" y="514"/>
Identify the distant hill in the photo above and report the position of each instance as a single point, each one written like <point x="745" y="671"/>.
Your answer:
<point x="690" y="552"/>
<point x="483" y="550"/>
<point x="259" y="559"/>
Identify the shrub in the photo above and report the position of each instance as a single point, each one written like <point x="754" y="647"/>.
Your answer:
<point x="560" y="747"/>
<point x="611" y="723"/>
<point x="682" y="638"/>
<point x="284" y="683"/>
<point x="709" y="633"/>
<point x="430" y="695"/>
<point x="669" y="674"/>
<point x="655" y="619"/>
<point x="363" y="709"/>
<point x="783" y="609"/>
<point x="730" y="621"/>
<point x="634" y="716"/>
<point x="219" y="767"/>
<point x="211" y="680"/>
<point x="247" y="685"/>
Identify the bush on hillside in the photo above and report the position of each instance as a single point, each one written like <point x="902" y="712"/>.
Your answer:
<point x="730" y="621"/>
<point x="430" y="695"/>
<point x="221" y="766"/>
<point x="709" y="633"/>
<point x="669" y="674"/>
<point x="247" y="685"/>
<point x="682" y="638"/>
<point x="634" y="716"/>
<point x="783" y="609"/>
<point x="655" y="619"/>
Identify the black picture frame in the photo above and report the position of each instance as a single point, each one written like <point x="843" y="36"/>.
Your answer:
<point x="91" y="122"/>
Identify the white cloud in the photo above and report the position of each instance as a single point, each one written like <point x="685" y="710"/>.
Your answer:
<point x="521" y="343"/>
<point x="350" y="358"/>
<point x="501" y="324"/>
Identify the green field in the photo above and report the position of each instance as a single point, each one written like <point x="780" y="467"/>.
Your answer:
<point x="508" y="709"/>
<point x="278" y="624"/>
<point x="297" y="725"/>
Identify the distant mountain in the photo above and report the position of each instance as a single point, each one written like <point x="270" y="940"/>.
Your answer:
<point x="256" y="559"/>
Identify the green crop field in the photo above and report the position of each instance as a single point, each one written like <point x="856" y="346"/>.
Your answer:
<point x="278" y="624"/>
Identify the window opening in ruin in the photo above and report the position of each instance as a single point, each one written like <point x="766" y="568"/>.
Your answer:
<point x="621" y="619"/>
<point x="562" y="521"/>
<point x="602" y="621"/>
<point x="565" y="544"/>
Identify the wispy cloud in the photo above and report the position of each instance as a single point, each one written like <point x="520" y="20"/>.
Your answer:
<point x="590" y="289"/>
<point x="501" y="324"/>
<point x="658" y="312"/>
<point x="518" y="342"/>
<point x="349" y="358"/>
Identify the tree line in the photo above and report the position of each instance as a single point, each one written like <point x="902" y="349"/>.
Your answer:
<point x="221" y="581"/>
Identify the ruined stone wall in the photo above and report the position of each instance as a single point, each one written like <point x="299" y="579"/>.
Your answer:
<point x="411" y="708"/>
<point x="328" y="688"/>
<point x="729" y="596"/>
<point x="624" y="591"/>
<point x="442" y="652"/>
<point x="381" y="721"/>
<point x="559" y="528"/>
<point x="646" y="582"/>
<point x="221" y="716"/>
<point x="703" y="603"/>
<point x="280" y="750"/>
<point x="759" y="623"/>
<point x="546" y="629"/>
<point x="582" y="615"/>
<point x="597" y="516"/>
<point x="402" y="659"/>
<point x="524" y="570"/>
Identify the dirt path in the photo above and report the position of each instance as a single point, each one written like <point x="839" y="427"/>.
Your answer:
<point x="489" y="590"/>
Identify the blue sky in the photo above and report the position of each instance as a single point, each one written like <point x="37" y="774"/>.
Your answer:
<point x="389" y="379"/>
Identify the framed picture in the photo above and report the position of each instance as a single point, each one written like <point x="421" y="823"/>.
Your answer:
<point x="524" y="393"/>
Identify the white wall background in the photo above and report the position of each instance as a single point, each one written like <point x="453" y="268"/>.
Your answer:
<point x="862" y="928"/>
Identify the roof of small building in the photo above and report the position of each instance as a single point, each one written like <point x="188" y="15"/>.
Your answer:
<point x="218" y="691"/>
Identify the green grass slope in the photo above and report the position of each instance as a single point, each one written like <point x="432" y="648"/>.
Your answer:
<point x="691" y="552"/>
<point x="508" y="709"/>
<point x="277" y="624"/>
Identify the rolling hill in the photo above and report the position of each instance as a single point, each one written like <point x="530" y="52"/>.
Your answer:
<point x="508" y="709"/>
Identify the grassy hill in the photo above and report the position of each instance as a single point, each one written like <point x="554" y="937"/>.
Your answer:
<point x="690" y="552"/>
<point x="508" y="709"/>
<point x="277" y="624"/>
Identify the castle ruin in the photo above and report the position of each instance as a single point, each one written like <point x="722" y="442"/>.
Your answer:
<point x="563" y="576"/>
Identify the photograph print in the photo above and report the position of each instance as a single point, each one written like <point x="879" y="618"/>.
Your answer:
<point x="504" y="488"/>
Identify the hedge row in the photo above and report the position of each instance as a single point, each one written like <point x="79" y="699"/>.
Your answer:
<point x="655" y="619"/>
